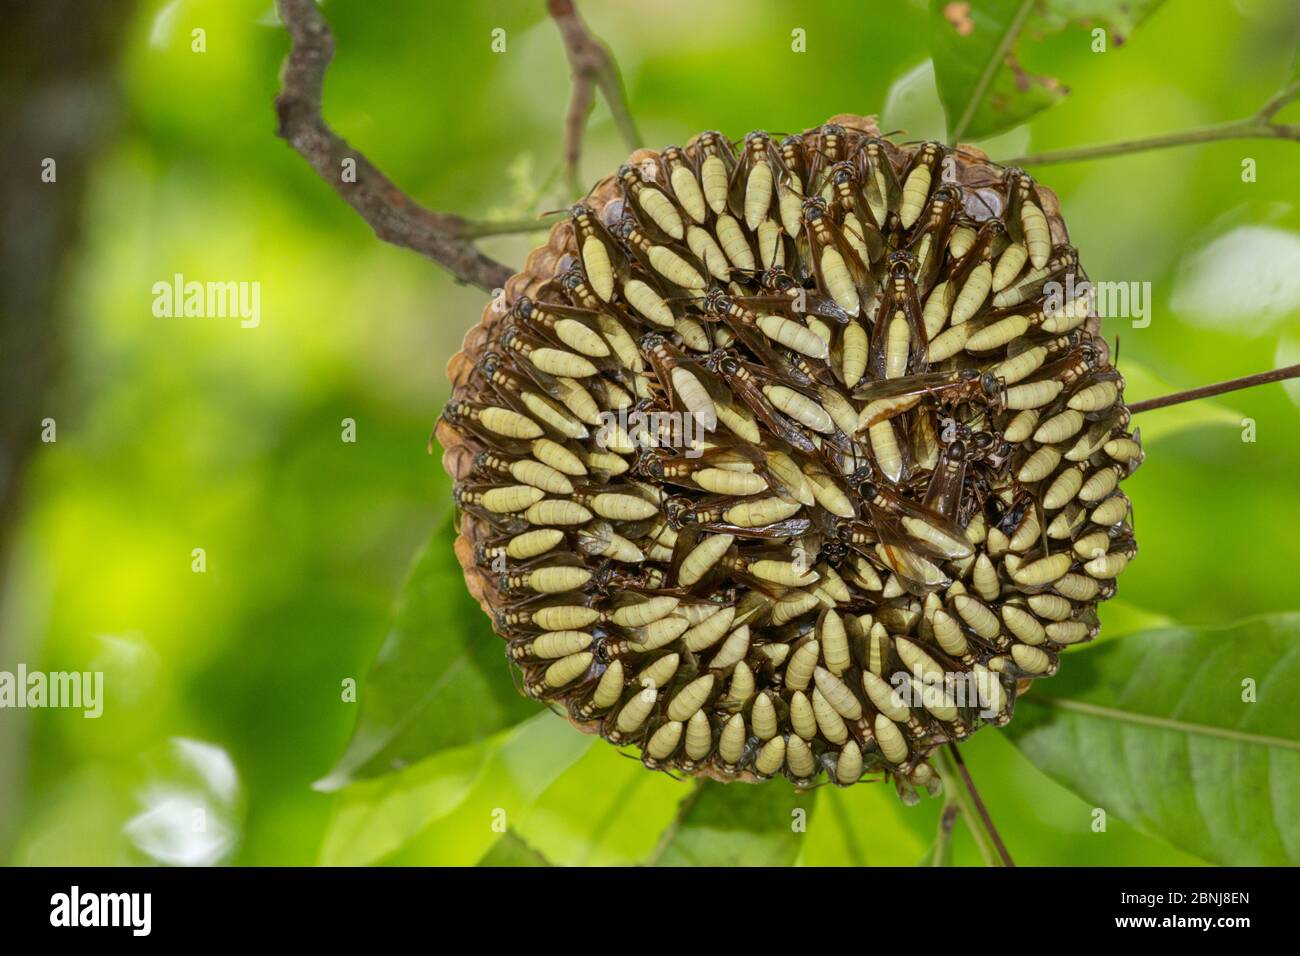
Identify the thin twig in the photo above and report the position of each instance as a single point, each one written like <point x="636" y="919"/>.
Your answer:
<point x="670" y="832"/>
<point x="473" y="229"/>
<point x="983" y="812"/>
<point x="1259" y="126"/>
<point x="1205" y="391"/>
<point x="593" y="68"/>
<point x="942" y="855"/>
<point x="1242" y="129"/>
<point x="954" y="789"/>
<point x="393" y="215"/>
<point x="1279" y="99"/>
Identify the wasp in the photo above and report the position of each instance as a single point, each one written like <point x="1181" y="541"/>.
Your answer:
<point x="684" y="181"/>
<point x="917" y="180"/>
<point x="675" y="265"/>
<point x="779" y="291"/>
<point x="757" y="332"/>
<point x="494" y="425"/>
<point x="791" y="183"/>
<point x="907" y="536"/>
<point x="572" y="327"/>
<point x="535" y="353"/>
<point x="689" y="384"/>
<point x="740" y="515"/>
<point x="926" y="241"/>
<point x="717" y="162"/>
<point x="829" y="147"/>
<point x="859" y="224"/>
<point x="602" y="262"/>
<point x="1061" y="267"/>
<point x="838" y="268"/>
<point x="899" y="341"/>
<point x="893" y="396"/>
<point x="727" y="469"/>
<point x="753" y="181"/>
<point x="639" y="188"/>
<point x="493" y="465"/>
<point x="879" y="180"/>
<point x="937" y="532"/>
<point x="763" y="391"/>
<point x="1026" y="221"/>
<point x="947" y="484"/>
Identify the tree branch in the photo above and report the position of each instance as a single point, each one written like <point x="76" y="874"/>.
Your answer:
<point x="973" y="809"/>
<point x="593" y="68"/>
<point x="1252" y="128"/>
<point x="1205" y="391"/>
<point x="1259" y="126"/>
<point x="941" y="853"/>
<point x="394" y="216"/>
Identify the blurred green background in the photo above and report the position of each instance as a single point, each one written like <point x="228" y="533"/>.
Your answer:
<point x="223" y="689"/>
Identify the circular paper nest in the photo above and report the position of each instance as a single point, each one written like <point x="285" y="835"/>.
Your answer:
<point x="746" y="580"/>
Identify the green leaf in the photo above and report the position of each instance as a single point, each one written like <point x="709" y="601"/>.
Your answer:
<point x="1141" y="383"/>
<point x="737" y="824"/>
<point x="1121" y="17"/>
<point x="866" y="825"/>
<point x="374" y="818"/>
<point x="534" y="755"/>
<point x="975" y="44"/>
<point x="441" y="678"/>
<point x="511" y="850"/>
<point x="606" y="810"/>
<point x="1154" y="729"/>
<point x="453" y="806"/>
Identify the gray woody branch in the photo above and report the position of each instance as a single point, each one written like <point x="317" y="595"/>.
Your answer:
<point x="394" y="216"/>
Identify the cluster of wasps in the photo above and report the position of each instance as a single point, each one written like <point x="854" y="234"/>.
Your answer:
<point x="902" y="479"/>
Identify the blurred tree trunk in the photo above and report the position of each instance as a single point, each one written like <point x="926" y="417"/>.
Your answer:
<point x="58" y="101"/>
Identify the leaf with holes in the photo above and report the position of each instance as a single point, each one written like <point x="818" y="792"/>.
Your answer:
<point x="976" y="43"/>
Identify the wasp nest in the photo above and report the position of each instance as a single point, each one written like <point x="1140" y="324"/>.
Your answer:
<point x="794" y="455"/>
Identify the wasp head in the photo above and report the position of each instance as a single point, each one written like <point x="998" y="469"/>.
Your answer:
<point x="949" y="193"/>
<point x="717" y="301"/>
<point x="991" y="385"/>
<point x="677" y="510"/>
<point x="902" y="264"/>
<point x="729" y="365"/>
<point x="524" y="307"/>
<point x="842" y="173"/>
<point x="777" y="279"/>
<point x="649" y="465"/>
<point x="652" y="341"/>
<point x="814" y="207"/>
